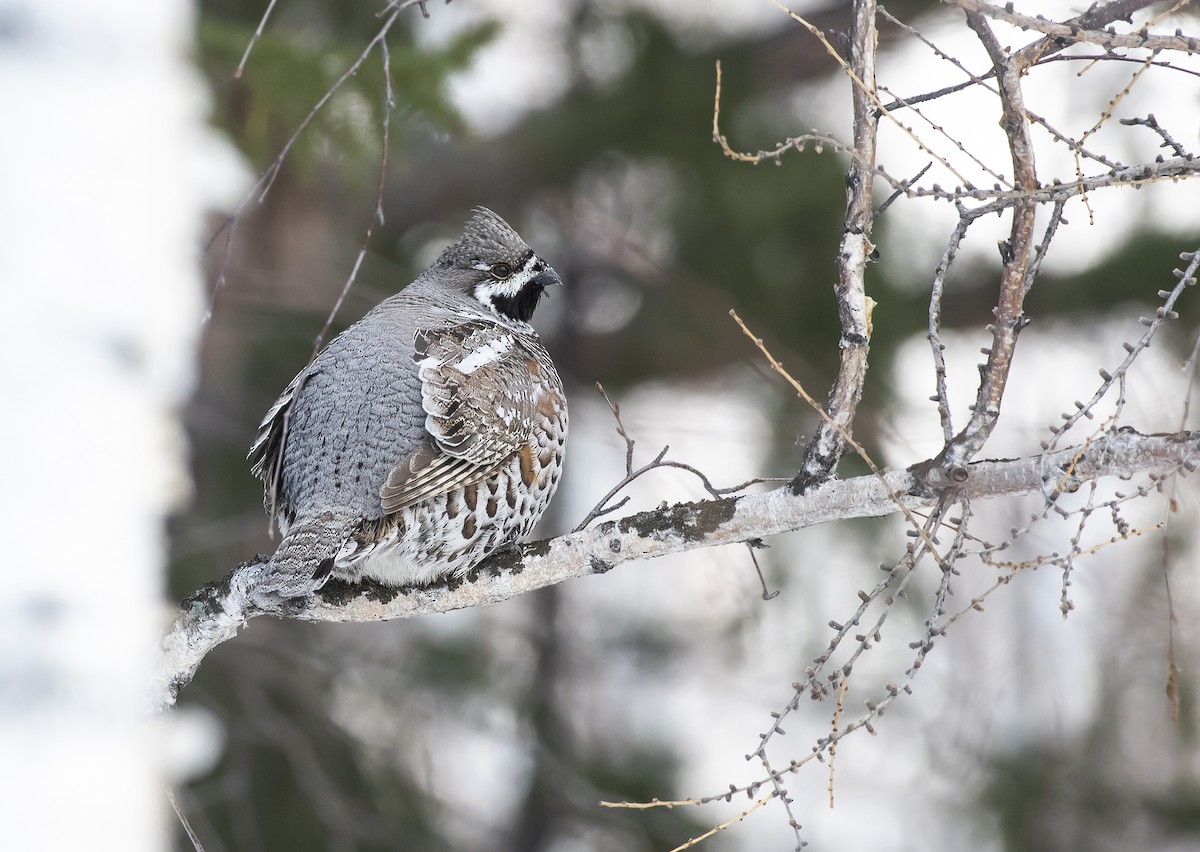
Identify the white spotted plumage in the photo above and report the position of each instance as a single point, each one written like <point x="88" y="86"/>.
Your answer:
<point x="489" y="353"/>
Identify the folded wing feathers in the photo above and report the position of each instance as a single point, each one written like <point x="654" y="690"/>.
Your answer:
<point x="476" y="397"/>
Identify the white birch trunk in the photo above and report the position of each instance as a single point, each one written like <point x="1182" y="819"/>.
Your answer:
<point x="100" y="301"/>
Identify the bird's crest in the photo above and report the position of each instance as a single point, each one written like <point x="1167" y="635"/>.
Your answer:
<point x="486" y="235"/>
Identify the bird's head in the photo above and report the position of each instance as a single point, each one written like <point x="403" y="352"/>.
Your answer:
<point x="497" y="267"/>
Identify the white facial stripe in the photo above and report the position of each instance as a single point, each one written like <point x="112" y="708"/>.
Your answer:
<point x="489" y="354"/>
<point x="515" y="283"/>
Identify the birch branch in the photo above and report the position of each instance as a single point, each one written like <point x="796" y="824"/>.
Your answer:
<point x="215" y="613"/>
<point x="854" y="308"/>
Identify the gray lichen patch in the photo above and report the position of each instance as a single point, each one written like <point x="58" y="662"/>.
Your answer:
<point x="689" y="521"/>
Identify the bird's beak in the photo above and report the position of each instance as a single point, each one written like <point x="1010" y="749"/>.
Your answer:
<point x="547" y="278"/>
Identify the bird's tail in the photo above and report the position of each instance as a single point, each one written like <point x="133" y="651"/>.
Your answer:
<point x="304" y="559"/>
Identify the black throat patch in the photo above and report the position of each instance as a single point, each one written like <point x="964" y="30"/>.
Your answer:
<point x="520" y="306"/>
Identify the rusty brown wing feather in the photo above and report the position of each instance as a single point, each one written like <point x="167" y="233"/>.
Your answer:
<point x="476" y="390"/>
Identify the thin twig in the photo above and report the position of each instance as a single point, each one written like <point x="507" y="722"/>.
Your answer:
<point x="656" y="803"/>
<point x="933" y="333"/>
<point x="254" y="39"/>
<point x="1040" y="250"/>
<point x="869" y="91"/>
<point x="267" y="179"/>
<point x="837" y="716"/>
<point x="901" y="191"/>
<point x="1172" y="681"/>
<point x="389" y="104"/>
<point x="1105" y="116"/>
<point x="183" y="820"/>
<point x="758" y="544"/>
<point x="1184" y="278"/>
<point x="819" y="141"/>
<point x="981" y="81"/>
<point x="1168" y="141"/>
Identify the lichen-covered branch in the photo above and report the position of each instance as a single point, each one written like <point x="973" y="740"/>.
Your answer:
<point x="823" y="451"/>
<point x="215" y="613"/>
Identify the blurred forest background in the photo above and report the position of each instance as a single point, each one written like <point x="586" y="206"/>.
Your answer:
<point x="588" y="126"/>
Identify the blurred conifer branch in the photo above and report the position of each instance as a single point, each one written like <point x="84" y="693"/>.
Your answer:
<point x="286" y="67"/>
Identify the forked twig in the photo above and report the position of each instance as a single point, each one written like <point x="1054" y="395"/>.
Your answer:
<point x="1073" y="32"/>
<point x="1151" y="122"/>
<point x="659" y="461"/>
<point x="1184" y="278"/>
<point x="869" y="92"/>
<point x="656" y="803"/>
<point x="819" y="141"/>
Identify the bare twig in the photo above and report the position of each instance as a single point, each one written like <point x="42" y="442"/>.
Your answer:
<point x="935" y="629"/>
<point x="1016" y="254"/>
<point x="717" y="829"/>
<point x="867" y="88"/>
<point x="998" y="198"/>
<point x="1167" y="140"/>
<point x="819" y="141"/>
<point x="1184" y="278"/>
<point x="758" y="544"/>
<point x="183" y="820"/>
<point x="1040" y="250"/>
<point x="267" y="179"/>
<point x="272" y="172"/>
<point x="837" y="717"/>
<point x="1091" y="58"/>
<point x="1105" y="116"/>
<point x="941" y="396"/>
<point x="603" y="508"/>
<point x="1174" y="700"/>
<point x="844" y="435"/>
<point x="262" y="24"/>
<point x="974" y="80"/>
<point x="389" y="104"/>
<point x="898" y="193"/>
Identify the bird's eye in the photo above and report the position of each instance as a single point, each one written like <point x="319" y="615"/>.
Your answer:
<point x="500" y="271"/>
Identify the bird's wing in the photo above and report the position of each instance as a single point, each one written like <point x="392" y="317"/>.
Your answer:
<point x="266" y="453"/>
<point x="477" y="393"/>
